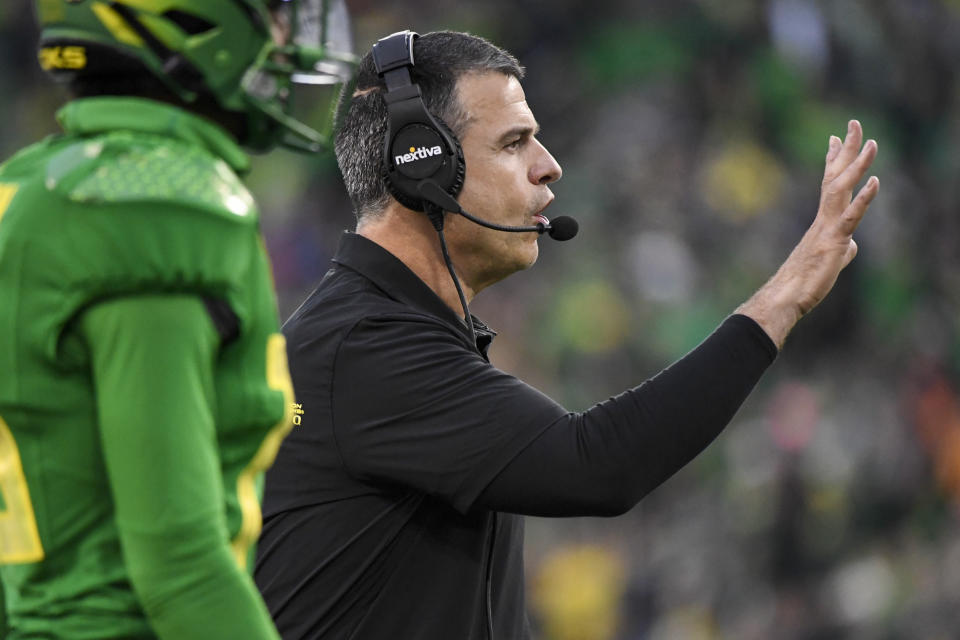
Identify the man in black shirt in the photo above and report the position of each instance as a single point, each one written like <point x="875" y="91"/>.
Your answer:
<point x="394" y="507"/>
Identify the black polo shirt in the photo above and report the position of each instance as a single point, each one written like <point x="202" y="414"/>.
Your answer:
<point x="390" y="511"/>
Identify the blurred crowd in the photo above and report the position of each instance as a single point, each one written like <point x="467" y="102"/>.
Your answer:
<point x="692" y="135"/>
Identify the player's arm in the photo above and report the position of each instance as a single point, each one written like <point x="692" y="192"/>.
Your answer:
<point x="153" y="359"/>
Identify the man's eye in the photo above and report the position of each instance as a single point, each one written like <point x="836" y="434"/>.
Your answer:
<point x="513" y="145"/>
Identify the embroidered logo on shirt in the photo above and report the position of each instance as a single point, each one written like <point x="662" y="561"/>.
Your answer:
<point x="297" y="413"/>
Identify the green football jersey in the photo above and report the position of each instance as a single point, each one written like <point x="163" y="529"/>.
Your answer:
<point x="136" y="198"/>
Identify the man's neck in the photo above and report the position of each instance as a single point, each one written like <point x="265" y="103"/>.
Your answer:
<point x="411" y="238"/>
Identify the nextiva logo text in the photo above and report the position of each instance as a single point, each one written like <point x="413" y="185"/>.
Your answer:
<point x="417" y="154"/>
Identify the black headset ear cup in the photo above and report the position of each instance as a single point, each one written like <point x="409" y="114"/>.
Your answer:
<point x="450" y="175"/>
<point x="409" y="201"/>
<point x="417" y="146"/>
<point x="456" y="186"/>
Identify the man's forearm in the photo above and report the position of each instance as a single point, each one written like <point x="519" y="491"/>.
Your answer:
<point x="772" y="309"/>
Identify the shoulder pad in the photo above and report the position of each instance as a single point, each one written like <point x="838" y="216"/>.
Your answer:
<point x="121" y="168"/>
<point x="27" y="156"/>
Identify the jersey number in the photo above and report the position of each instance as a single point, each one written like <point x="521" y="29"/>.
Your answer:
<point x="19" y="538"/>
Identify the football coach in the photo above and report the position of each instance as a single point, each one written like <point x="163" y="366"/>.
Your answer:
<point x="394" y="508"/>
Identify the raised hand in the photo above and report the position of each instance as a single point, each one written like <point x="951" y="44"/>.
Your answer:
<point x="811" y="270"/>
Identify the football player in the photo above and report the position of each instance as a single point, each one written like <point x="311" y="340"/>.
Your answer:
<point x="143" y="381"/>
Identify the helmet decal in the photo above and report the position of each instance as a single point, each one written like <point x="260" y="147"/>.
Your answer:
<point x="116" y="25"/>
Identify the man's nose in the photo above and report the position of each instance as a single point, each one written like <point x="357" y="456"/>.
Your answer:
<point x="545" y="169"/>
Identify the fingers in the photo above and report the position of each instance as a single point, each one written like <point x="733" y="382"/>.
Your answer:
<point x="846" y="164"/>
<point x="851" y="144"/>
<point x="856" y="169"/>
<point x="850" y="254"/>
<point x="840" y="157"/>
<point x="854" y="212"/>
<point x="833" y="148"/>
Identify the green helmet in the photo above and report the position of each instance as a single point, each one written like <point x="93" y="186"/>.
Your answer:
<point x="219" y="48"/>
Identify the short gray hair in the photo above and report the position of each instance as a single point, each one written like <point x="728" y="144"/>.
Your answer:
<point x="441" y="58"/>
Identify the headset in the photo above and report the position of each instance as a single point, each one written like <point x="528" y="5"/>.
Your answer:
<point x="417" y="146"/>
<point x="423" y="165"/>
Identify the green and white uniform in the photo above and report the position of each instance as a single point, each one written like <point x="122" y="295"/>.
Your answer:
<point x="143" y="381"/>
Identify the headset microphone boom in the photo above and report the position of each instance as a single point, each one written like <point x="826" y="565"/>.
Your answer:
<point x="423" y="165"/>
<point x="560" y="228"/>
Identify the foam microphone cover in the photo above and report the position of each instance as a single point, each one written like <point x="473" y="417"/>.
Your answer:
<point x="563" y="228"/>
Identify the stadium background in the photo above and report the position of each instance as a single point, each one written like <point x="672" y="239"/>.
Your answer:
<point x="692" y="135"/>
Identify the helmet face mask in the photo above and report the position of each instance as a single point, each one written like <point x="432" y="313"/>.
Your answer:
<point x="315" y="58"/>
<point x="223" y="49"/>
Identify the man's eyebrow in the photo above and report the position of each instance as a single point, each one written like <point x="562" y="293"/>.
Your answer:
<point x="521" y="131"/>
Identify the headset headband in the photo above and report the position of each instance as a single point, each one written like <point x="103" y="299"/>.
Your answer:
<point x="392" y="56"/>
<point x="417" y="146"/>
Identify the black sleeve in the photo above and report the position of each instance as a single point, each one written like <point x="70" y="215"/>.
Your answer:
<point x="413" y="407"/>
<point x="603" y="461"/>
